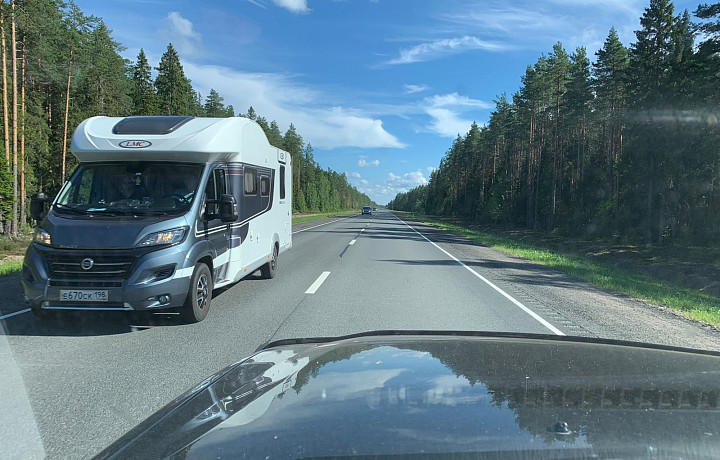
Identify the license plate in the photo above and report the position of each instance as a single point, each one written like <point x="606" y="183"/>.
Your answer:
<point x="84" y="296"/>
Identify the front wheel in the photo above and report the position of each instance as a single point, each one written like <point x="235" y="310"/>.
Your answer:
<point x="198" y="299"/>
<point x="270" y="268"/>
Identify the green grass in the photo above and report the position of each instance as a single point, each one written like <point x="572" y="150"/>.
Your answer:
<point x="12" y="247"/>
<point x="10" y="268"/>
<point x="689" y="302"/>
<point x="301" y="219"/>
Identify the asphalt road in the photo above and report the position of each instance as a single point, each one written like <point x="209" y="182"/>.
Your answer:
<point x="70" y="387"/>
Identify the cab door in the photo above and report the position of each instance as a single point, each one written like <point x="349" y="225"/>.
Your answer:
<point x="215" y="230"/>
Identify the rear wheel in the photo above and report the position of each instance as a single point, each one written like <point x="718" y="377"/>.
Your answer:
<point x="268" y="270"/>
<point x="198" y="299"/>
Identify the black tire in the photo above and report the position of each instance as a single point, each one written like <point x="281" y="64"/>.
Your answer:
<point x="269" y="269"/>
<point x="199" y="295"/>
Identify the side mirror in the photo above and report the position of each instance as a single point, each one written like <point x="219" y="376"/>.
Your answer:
<point x="228" y="208"/>
<point x="37" y="206"/>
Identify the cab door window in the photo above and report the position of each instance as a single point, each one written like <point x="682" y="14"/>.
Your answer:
<point x="215" y="188"/>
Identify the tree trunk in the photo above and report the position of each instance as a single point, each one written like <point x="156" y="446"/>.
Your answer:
<point x="6" y="132"/>
<point x="67" y="111"/>
<point x="14" y="227"/>
<point x="23" y="217"/>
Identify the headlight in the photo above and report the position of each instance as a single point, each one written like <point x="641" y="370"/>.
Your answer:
<point x="40" y="236"/>
<point x="172" y="236"/>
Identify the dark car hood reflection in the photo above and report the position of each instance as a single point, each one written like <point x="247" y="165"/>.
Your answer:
<point x="430" y="395"/>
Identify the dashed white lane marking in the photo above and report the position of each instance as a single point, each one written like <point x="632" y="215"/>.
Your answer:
<point x="362" y="229"/>
<point x="352" y="242"/>
<point x="318" y="282"/>
<point x="9" y="315"/>
<point x="542" y="321"/>
<point x="326" y="223"/>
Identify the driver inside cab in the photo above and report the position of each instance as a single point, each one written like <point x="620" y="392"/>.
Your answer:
<point x="187" y="191"/>
<point x="130" y="188"/>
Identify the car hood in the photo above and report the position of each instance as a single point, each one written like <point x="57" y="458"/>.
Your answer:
<point x="428" y="394"/>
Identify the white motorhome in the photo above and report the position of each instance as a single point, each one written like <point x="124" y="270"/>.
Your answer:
<point x="159" y="212"/>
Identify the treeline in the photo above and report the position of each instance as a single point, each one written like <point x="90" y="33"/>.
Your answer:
<point x="59" y="66"/>
<point x="628" y="145"/>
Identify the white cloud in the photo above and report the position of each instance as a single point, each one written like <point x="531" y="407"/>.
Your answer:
<point x="257" y="3"/>
<point x="278" y="97"/>
<point x="529" y="24"/>
<point x="456" y="100"/>
<point x="182" y="34"/>
<point x="353" y="174"/>
<point x="385" y="190"/>
<point x="363" y="163"/>
<point x="443" y="47"/>
<point x="445" y="113"/>
<point x="407" y="180"/>
<point x="411" y="89"/>
<point x="447" y="123"/>
<point x="430" y="169"/>
<point x="294" y="6"/>
<point x="364" y="182"/>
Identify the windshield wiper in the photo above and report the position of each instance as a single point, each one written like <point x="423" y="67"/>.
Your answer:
<point x="156" y="212"/>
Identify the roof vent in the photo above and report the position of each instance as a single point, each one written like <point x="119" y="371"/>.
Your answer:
<point x="150" y="125"/>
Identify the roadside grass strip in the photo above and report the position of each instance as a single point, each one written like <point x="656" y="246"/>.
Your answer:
<point x="301" y="219"/>
<point x="690" y="303"/>
<point x="10" y="268"/>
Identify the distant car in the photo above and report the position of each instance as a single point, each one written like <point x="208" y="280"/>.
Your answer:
<point x="366" y="210"/>
<point x="374" y="209"/>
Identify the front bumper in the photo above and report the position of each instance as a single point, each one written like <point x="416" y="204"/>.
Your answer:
<point x="138" y="291"/>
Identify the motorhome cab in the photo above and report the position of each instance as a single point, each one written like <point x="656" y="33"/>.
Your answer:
<point x="160" y="211"/>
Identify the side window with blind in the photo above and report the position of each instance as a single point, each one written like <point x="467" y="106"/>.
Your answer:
<point x="264" y="186"/>
<point x="282" y="182"/>
<point x="250" y="181"/>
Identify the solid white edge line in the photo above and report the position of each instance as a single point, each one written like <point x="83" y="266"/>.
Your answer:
<point x="10" y="315"/>
<point x="352" y="242"/>
<point x="318" y="282"/>
<point x="539" y="318"/>
<point x="326" y="223"/>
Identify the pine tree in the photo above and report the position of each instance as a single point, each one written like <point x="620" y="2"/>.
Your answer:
<point x="649" y="87"/>
<point x="274" y="135"/>
<point x="610" y="75"/>
<point x="174" y="90"/>
<point x="710" y="28"/>
<point x="214" y="106"/>
<point x="145" y="99"/>
<point x="251" y="113"/>
<point x="293" y="144"/>
<point x="105" y="87"/>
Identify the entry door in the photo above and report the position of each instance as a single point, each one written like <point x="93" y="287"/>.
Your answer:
<point x="217" y="230"/>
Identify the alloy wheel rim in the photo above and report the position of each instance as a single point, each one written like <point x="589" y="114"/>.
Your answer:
<point x="202" y="291"/>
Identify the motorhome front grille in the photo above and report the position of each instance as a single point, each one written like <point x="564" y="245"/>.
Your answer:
<point x="86" y="284"/>
<point x="89" y="267"/>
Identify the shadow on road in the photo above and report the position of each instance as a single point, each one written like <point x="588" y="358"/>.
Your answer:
<point x="88" y="323"/>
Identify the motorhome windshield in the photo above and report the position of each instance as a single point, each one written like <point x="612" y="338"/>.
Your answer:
<point x="130" y="188"/>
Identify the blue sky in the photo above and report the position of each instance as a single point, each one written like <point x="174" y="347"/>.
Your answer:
<point x="380" y="88"/>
